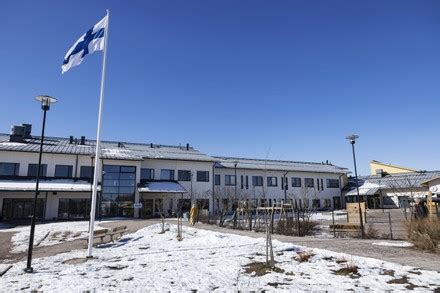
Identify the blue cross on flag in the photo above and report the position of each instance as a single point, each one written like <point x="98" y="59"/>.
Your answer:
<point x="88" y="43"/>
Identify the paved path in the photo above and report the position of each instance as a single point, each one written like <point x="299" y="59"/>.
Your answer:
<point x="359" y="247"/>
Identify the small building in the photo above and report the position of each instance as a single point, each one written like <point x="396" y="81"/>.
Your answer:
<point x="391" y="190"/>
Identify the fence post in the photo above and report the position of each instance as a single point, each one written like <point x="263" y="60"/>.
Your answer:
<point x="365" y="214"/>
<point x="297" y="224"/>
<point x="391" y="229"/>
<point x="333" y="219"/>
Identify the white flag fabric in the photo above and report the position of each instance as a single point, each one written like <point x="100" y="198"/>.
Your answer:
<point x="88" y="43"/>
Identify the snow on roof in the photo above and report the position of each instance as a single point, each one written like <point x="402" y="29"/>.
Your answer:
<point x="278" y="165"/>
<point x="162" y="186"/>
<point x="46" y="185"/>
<point x="110" y="149"/>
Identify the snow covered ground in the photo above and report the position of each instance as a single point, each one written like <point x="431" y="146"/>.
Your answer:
<point x="206" y="261"/>
<point x="394" y="243"/>
<point x="48" y="234"/>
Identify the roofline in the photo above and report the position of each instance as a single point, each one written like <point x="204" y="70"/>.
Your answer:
<point x="110" y="141"/>
<point x="429" y="180"/>
<point x="277" y="161"/>
<point x="392" y="165"/>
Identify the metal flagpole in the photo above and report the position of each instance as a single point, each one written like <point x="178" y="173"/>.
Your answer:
<point x="98" y="142"/>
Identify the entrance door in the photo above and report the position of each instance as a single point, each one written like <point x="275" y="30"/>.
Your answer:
<point x="337" y="203"/>
<point x="147" y="210"/>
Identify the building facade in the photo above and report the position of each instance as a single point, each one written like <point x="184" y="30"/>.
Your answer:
<point x="145" y="180"/>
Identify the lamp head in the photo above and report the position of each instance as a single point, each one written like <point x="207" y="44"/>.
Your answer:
<point x="352" y="138"/>
<point x="46" y="101"/>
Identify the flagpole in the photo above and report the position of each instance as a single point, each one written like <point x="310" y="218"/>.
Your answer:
<point x="98" y="145"/>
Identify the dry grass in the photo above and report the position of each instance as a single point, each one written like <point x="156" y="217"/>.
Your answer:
<point x="261" y="269"/>
<point x="424" y="234"/>
<point x="349" y="269"/>
<point x="304" y="256"/>
<point x="371" y="232"/>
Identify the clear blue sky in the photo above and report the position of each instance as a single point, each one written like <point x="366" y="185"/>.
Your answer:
<point x="275" y="79"/>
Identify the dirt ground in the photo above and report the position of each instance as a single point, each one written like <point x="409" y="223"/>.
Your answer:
<point x="404" y="256"/>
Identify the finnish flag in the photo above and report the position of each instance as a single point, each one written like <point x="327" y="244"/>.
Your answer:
<point x="88" y="43"/>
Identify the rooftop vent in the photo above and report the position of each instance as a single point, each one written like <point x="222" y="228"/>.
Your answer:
<point x="17" y="133"/>
<point x="27" y="130"/>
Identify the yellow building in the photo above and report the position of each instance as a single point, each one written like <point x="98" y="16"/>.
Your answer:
<point x="388" y="168"/>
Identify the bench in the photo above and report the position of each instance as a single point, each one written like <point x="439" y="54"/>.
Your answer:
<point x="120" y="230"/>
<point x="102" y="233"/>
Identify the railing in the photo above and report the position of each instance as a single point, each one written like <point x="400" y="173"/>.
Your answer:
<point x="30" y="178"/>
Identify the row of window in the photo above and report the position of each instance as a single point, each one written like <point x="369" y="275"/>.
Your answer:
<point x="272" y="181"/>
<point x="12" y="169"/>
<point x="169" y="174"/>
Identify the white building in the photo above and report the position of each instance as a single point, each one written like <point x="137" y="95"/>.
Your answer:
<point x="162" y="178"/>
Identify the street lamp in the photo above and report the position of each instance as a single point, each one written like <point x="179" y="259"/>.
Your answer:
<point x="45" y="101"/>
<point x="235" y="178"/>
<point x="352" y="139"/>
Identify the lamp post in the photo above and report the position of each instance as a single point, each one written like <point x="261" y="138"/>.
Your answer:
<point x="235" y="179"/>
<point x="45" y="106"/>
<point x="352" y="139"/>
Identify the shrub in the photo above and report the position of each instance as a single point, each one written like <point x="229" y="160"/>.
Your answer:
<point x="371" y="233"/>
<point x="289" y="227"/>
<point x="424" y="234"/>
<point x="304" y="256"/>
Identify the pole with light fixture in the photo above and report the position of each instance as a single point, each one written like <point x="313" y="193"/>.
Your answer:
<point x="352" y="139"/>
<point x="45" y="101"/>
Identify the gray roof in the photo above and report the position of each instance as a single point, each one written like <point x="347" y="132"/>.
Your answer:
<point x="109" y="149"/>
<point x="390" y="181"/>
<point x="277" y="165"/>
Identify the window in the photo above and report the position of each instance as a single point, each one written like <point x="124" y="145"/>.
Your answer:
<point x="284" y="183"/>
<point x="147" y="174"/>
<point x="316" y="203"/>
<point x="332" y="183"/>
<point x="9" y="169"/>
<point x="317" y="183"/>
<point x="184" y="175"/>
<point x="203" y="176"/>
<point x="242" y="181"/>
<point x="229" y="180"/>
<point x="118" y="190"/>
<point x="217" y="179"/>
<point x="309" y="182"/>
<point x="296" y="182"/>
<point x="257" y="180"/>
<point x="73" y="208"/>
<point x="322" y="184"/>
<point x="33" y="169"/>
<point x="86" y="172"/>
<point x="247" y="182"/>
<point x="327" y="203"/>
<point x="272" y="181"/>
<point x="166" y="174"/>
<point x="63" y="171"/>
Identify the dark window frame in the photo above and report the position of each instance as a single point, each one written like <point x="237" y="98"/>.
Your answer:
<point x="202" y="178"/>
<point x="171" y="177"/>
<point x="217" y="179"/>
<point x="228" y="180"/>
<point x="295" y="181"/>
<point x="43" y="170"/>
<point x="16" y="167"/>
<point x="69" y="170"/>
<point x="309" y="182"/>
<point x="270" y="183"/>
<point x="184" y="175"/>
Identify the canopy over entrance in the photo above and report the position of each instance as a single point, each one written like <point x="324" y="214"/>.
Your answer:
<point x="162" y="187"/>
